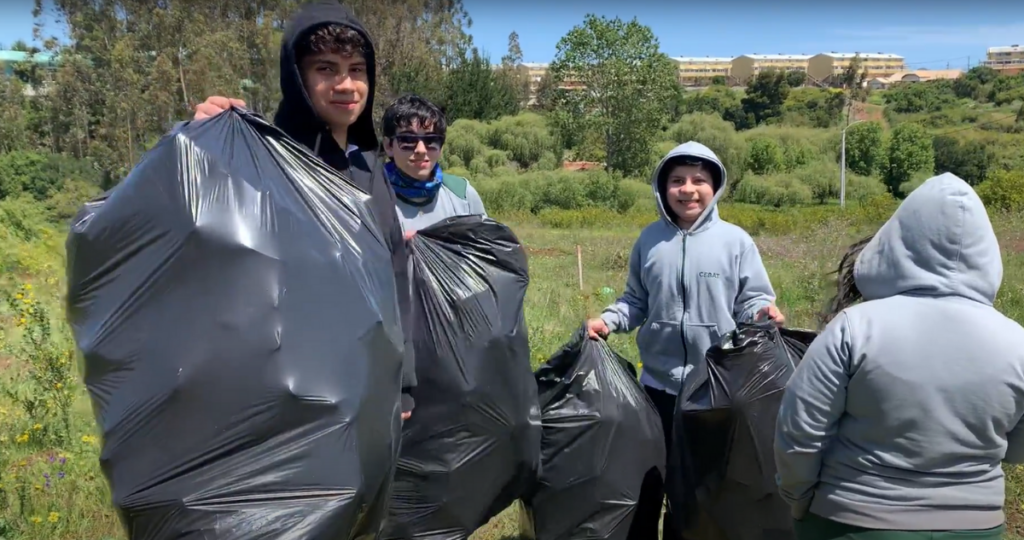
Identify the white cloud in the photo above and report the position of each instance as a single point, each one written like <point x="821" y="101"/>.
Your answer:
<point x="974" y="35"/>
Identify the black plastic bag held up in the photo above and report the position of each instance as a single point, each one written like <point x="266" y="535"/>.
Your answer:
<point x="236" y="308"/>
<point x="602" y="440"/>
<point x="472" y="446"/>
<point x="722" y="466"/>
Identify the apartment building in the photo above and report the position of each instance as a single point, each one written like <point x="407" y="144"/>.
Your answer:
<point x="1006" y="60"/>
<point x="747" y="66"/>
<point x="535" y="71"/>
<point x="826" y="68"/>
<point x="699" y="71"/>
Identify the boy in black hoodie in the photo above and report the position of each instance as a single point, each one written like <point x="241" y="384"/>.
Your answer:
<point x="328" y="74"/>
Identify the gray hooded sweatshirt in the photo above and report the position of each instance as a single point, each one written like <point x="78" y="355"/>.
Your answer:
<point x="687" y="288"/>
<point x="903" y="407"/>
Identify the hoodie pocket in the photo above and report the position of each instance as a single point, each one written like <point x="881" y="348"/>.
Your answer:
<point x="699" y="338"/>
<point x="660" y="340"/>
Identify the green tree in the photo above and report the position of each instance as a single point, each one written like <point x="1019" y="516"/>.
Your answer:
<point x="625" y="85"/>
<point x="969" y="160"/>
<point x="909" y="151"/>
<point x="766" y="94"/>
<point x="865" y="148"/>
<point x="546" y="93"/>
<point x="717" y="99"/>
<point x="515" y="73"/>
<point x="476" y="91"/>
<point x="796" y="79"/>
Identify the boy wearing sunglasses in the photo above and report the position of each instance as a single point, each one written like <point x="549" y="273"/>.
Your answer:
<point x="414" y="132"/>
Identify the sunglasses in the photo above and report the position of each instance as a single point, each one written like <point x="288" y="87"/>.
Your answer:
<point x="408" y="141"/>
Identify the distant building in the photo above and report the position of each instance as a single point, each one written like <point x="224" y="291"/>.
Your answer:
<point x="826" y="68"/>
<point x="536" y="72"/>
<point x="1006" y="60"/>
<point x="745" y="67"/>
<point x="921" y="75"/>
<point x="699" y="71"/>
<point x="9" y="59"/>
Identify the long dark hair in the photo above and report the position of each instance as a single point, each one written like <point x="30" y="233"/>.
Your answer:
<point x="847" y="293"/>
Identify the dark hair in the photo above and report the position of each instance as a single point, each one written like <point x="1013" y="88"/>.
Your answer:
<point x="332" y="38"/>
<point x="847" y="293"/>
<point x="412" y="109"/>
<point x="679" y="161"/>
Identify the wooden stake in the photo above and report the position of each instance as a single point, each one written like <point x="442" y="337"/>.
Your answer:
<point x="579" y="264"/>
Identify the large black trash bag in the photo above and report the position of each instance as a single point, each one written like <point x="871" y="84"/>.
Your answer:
<point x="236" y="308"/>
<point x="722" y="466"/>
<point x="602" y="440"/>
<point x="472" y="446"/>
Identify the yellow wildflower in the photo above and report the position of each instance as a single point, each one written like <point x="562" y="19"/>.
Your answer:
<point x="54" y="516"/>
<point x="37" y="519"/>
<point x="28" y="286"/>
<point x="19" y="296"/>
<point x="23" y="438"/>
<point x="37" y="427"/>
<point x="58" y="386"/>
<point x="88" y="439"/>
<point x="38" y="487"/>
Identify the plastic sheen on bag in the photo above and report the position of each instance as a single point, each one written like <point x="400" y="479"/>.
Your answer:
<point x="235" y="305"/>
<point x="602" y="439"/>
<point x="722" y="465"/>
<point x="472" y="445"/>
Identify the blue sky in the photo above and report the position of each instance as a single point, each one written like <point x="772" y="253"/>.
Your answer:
<point x="929" y="34"/>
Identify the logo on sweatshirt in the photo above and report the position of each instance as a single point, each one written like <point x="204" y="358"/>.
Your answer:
<point x="715" y="275"/>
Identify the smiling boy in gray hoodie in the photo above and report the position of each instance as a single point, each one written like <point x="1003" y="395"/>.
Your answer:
<point x="895" y="422"/>
<point x="692" y="276"/>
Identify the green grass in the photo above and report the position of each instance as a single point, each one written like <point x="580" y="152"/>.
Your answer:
<point x="799" y="247"/>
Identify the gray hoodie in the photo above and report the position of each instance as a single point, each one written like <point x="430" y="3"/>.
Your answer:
<point x="687" y="288"/>
<point x="902" y="409"/>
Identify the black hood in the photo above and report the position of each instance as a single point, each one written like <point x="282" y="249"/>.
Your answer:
<point x="295" y="115"/>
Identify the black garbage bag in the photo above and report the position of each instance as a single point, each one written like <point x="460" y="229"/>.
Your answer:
<point x="236" y="308"/>
<point x="722" y="465"/>
<point x="603" y="443"/>
<point x="472" y="445"/>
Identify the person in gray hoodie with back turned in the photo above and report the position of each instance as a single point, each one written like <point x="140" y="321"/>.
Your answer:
<point x="899" y="414"/>
<point x="691" y="277"/>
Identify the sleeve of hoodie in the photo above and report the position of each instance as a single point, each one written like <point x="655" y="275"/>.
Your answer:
<point x="755" y="289"/>
<point x="630" y="310"/>
<point x="814" y="400"/>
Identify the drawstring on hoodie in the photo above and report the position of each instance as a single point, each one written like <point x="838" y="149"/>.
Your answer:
<point x="316" y="145"/>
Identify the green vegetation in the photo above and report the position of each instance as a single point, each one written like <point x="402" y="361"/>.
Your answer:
<point x="780" y="143"/>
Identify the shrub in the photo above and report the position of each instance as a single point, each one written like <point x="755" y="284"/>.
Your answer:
<point x="1003" y="190"/>
<point x="865" y="148"/>
<point x="764" y="156"/>
<point x="970" y="160"/>
<point x="718" y="135"/>
<point x="464" y="140"/>
<point x="799" y="146"/>
<point x="536" y="191"/>
<point x="495" y="159"/>
<point x="776" y="190"/>
<point x="548" y="162"/>
<point x="524" y="137"/>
